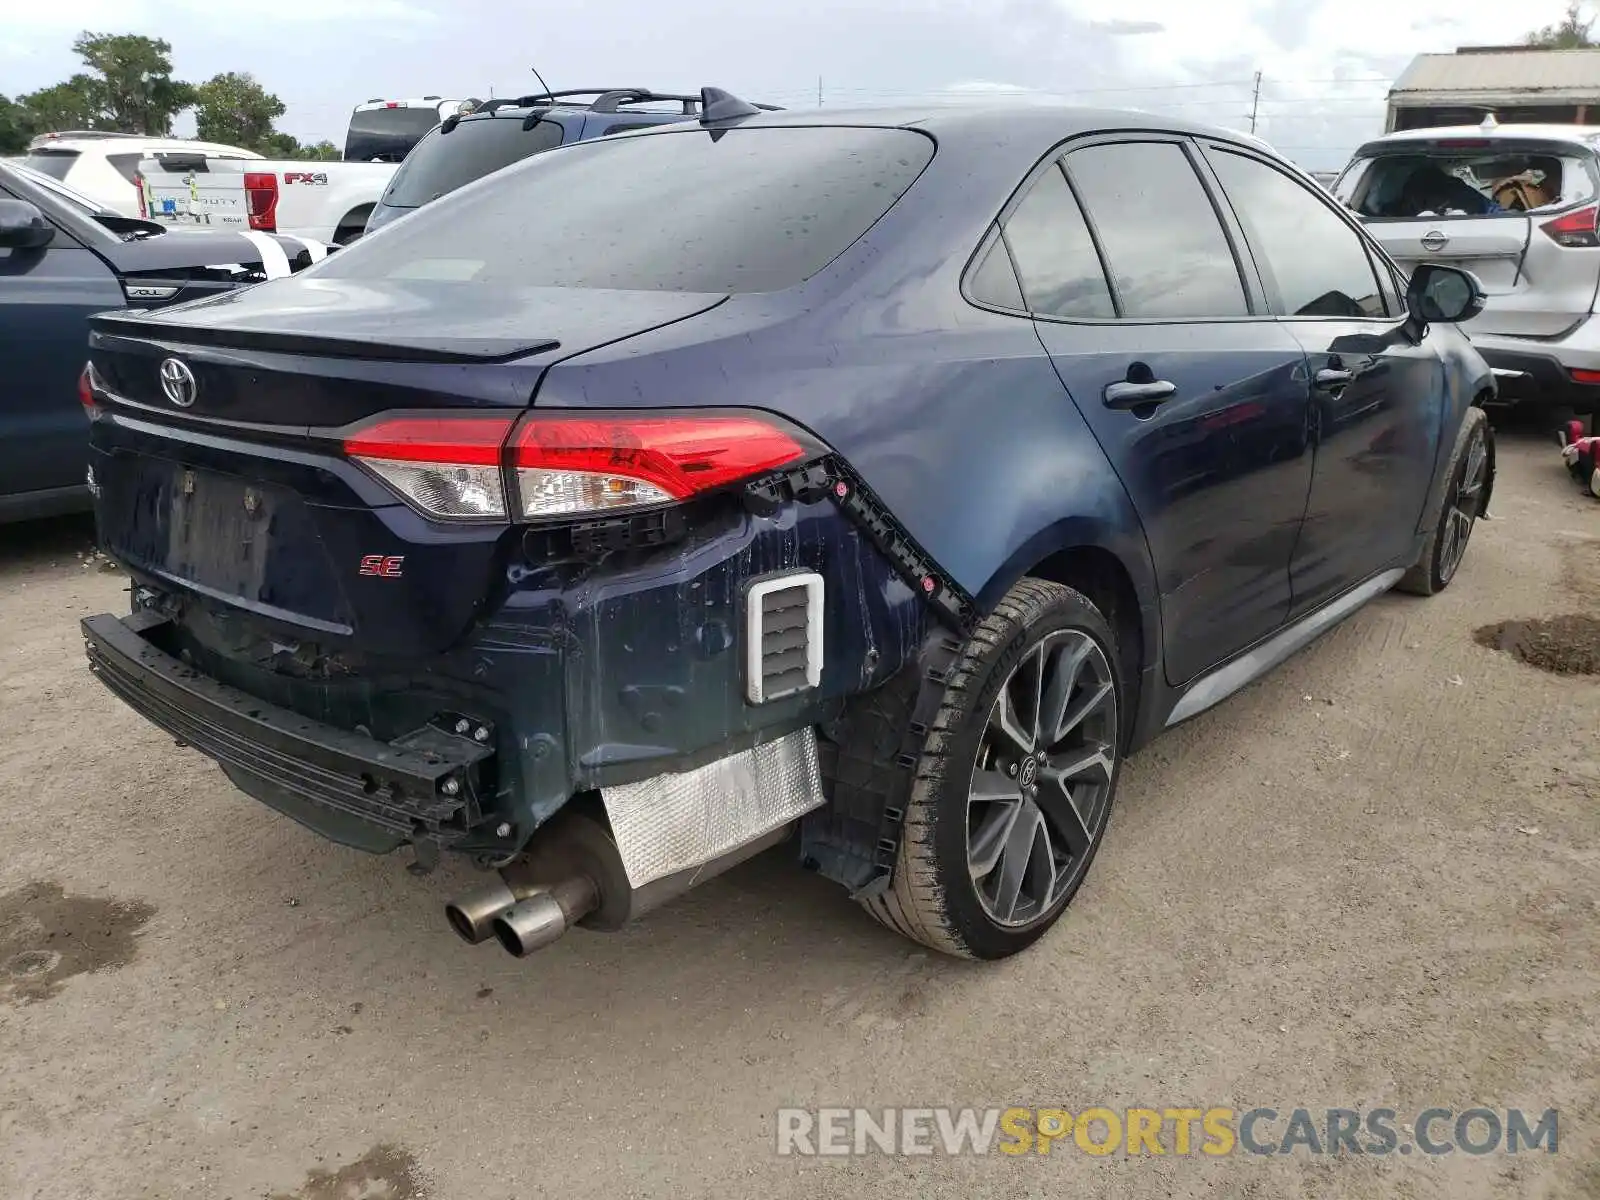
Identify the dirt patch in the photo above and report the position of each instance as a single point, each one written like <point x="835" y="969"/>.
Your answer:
<point x="47" y="937"/>
<point x="1567" y="645"/>
<point x="383" y="1173"/>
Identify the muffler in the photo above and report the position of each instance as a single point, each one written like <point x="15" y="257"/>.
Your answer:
<point x="572" y="874"/>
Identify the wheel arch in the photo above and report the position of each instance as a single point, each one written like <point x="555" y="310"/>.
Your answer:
<point x="355" y="219"/>
<point x="1113" y="568"/>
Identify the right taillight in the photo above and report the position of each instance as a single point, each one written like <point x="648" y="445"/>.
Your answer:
<point x="138" y="186"/>
<point x="1575" y="229"/>
<point x="570" y="466"/>
<point x="494" y="468"/>
<point x="261" y="200"/>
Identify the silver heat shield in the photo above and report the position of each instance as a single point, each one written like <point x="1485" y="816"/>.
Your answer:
<point x="672" y="823"/>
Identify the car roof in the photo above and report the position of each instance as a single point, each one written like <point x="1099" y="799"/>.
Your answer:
<point x="121" y="143"/>
<point x="999" y="134"/>
<point x="1505" y="132"/>
<point x="51" y="184"/>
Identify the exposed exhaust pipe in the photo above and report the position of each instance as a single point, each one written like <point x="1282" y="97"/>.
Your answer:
<point x="533" y="923"/>
<point x="471" y="915"/>
<point x="572" y="873"/>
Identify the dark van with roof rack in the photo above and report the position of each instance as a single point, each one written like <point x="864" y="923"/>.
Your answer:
<point x="467" y="147"/>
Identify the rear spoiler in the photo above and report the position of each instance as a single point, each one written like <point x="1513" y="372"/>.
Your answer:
<point x="105" y="329"/>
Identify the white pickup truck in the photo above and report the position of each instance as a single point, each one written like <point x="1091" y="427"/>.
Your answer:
<point x="316" y="200"/>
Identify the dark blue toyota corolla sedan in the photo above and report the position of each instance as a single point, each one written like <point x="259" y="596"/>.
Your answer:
<point x="872" y="482"/>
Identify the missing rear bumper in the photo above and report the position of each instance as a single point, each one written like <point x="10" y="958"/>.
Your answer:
<point x="348" y="786"/>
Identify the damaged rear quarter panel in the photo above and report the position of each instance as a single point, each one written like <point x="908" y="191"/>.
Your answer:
<point x="647" y="658"/>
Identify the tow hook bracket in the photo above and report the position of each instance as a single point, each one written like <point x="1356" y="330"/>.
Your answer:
<point x="457" y="738"/>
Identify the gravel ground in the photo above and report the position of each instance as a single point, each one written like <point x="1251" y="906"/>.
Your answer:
<point x="1372" y="879"/>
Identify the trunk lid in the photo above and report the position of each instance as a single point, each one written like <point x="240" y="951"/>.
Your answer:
<point x="1484" y="202"/>
<point x="243" y="501"/>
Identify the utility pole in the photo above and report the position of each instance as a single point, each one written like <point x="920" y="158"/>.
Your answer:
<point x="819" y="91"/>
<point x="1255" y="102"/>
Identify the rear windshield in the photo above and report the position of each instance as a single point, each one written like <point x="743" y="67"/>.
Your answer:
<point x="387" y="134"/>
<point x="1439" y="181"/>
<point x="54" y="163"/>
<point x="738" y="210"/>
<point x="442" y="161"/>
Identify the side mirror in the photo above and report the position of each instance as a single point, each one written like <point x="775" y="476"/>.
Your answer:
<point x="22" y="226"/>
<point x="1447" y="295"/>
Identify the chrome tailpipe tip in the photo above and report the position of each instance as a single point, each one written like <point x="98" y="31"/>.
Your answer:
<point x="472" y="916"/>
<point x="544" y="916"/>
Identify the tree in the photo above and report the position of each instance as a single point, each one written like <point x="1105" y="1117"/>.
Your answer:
<point x="1570" y="33"/>
<point x="135" y="90"/>
<point x="233" y="108"/>
<point x="286" y="145"/>
<point x="16" y="126"/>
<point x="73" y="104"/>
<point x="323" y="151"/>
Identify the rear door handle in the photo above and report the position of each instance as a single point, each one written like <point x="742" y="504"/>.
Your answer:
<point x="1124" y="394"/>
<point x="1330" y="377"/>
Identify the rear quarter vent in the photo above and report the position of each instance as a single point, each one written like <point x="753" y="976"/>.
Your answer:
<point x="783" y="636"/>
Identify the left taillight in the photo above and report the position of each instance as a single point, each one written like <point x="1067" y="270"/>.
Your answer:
<point x="88" y="385"/>
<point x="449" y="467"/>
<point x="550" y="466"/>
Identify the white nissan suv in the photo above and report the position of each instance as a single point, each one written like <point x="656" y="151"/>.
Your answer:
<point x="1517" y="205"/>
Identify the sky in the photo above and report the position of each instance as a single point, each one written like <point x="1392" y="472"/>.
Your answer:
<point x="1325" y="64"/>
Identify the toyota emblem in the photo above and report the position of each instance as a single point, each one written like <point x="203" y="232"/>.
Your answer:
<point x="177" y="382"/>
<point x="1433" y="241"/>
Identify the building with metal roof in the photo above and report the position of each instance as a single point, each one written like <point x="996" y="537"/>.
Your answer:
<point x="1515" y="83"/>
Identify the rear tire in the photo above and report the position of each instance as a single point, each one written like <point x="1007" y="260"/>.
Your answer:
<point x="1011" y="794"/>
<point x="352" y="226"/>
<point x="1466" y="482"/>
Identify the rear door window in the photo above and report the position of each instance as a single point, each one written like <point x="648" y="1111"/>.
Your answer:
<point x="1163" y="242"/>
<point x="739" y="210"/>
<point x="442" y="161"/>
<point x="1319" y="264"/>
<point x="1465" y="177"/>
<point x="994" y="282"/>
<point x="1061" y="273"/>
<point x="54" y="163"/>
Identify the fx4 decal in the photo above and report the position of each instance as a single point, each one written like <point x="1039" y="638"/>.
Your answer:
<point x="320" y="179"/>
<point x="389" y="566"/>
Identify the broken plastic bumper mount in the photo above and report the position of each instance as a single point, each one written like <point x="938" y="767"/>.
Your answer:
<point x="831" y="478"/>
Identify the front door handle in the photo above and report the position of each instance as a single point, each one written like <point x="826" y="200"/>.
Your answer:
<point x="1331" y="377"/>
<point x="1125" y="394"/>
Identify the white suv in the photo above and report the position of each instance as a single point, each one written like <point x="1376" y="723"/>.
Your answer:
<point x="1518" y="206"/>
<point x="105" y="166"/>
